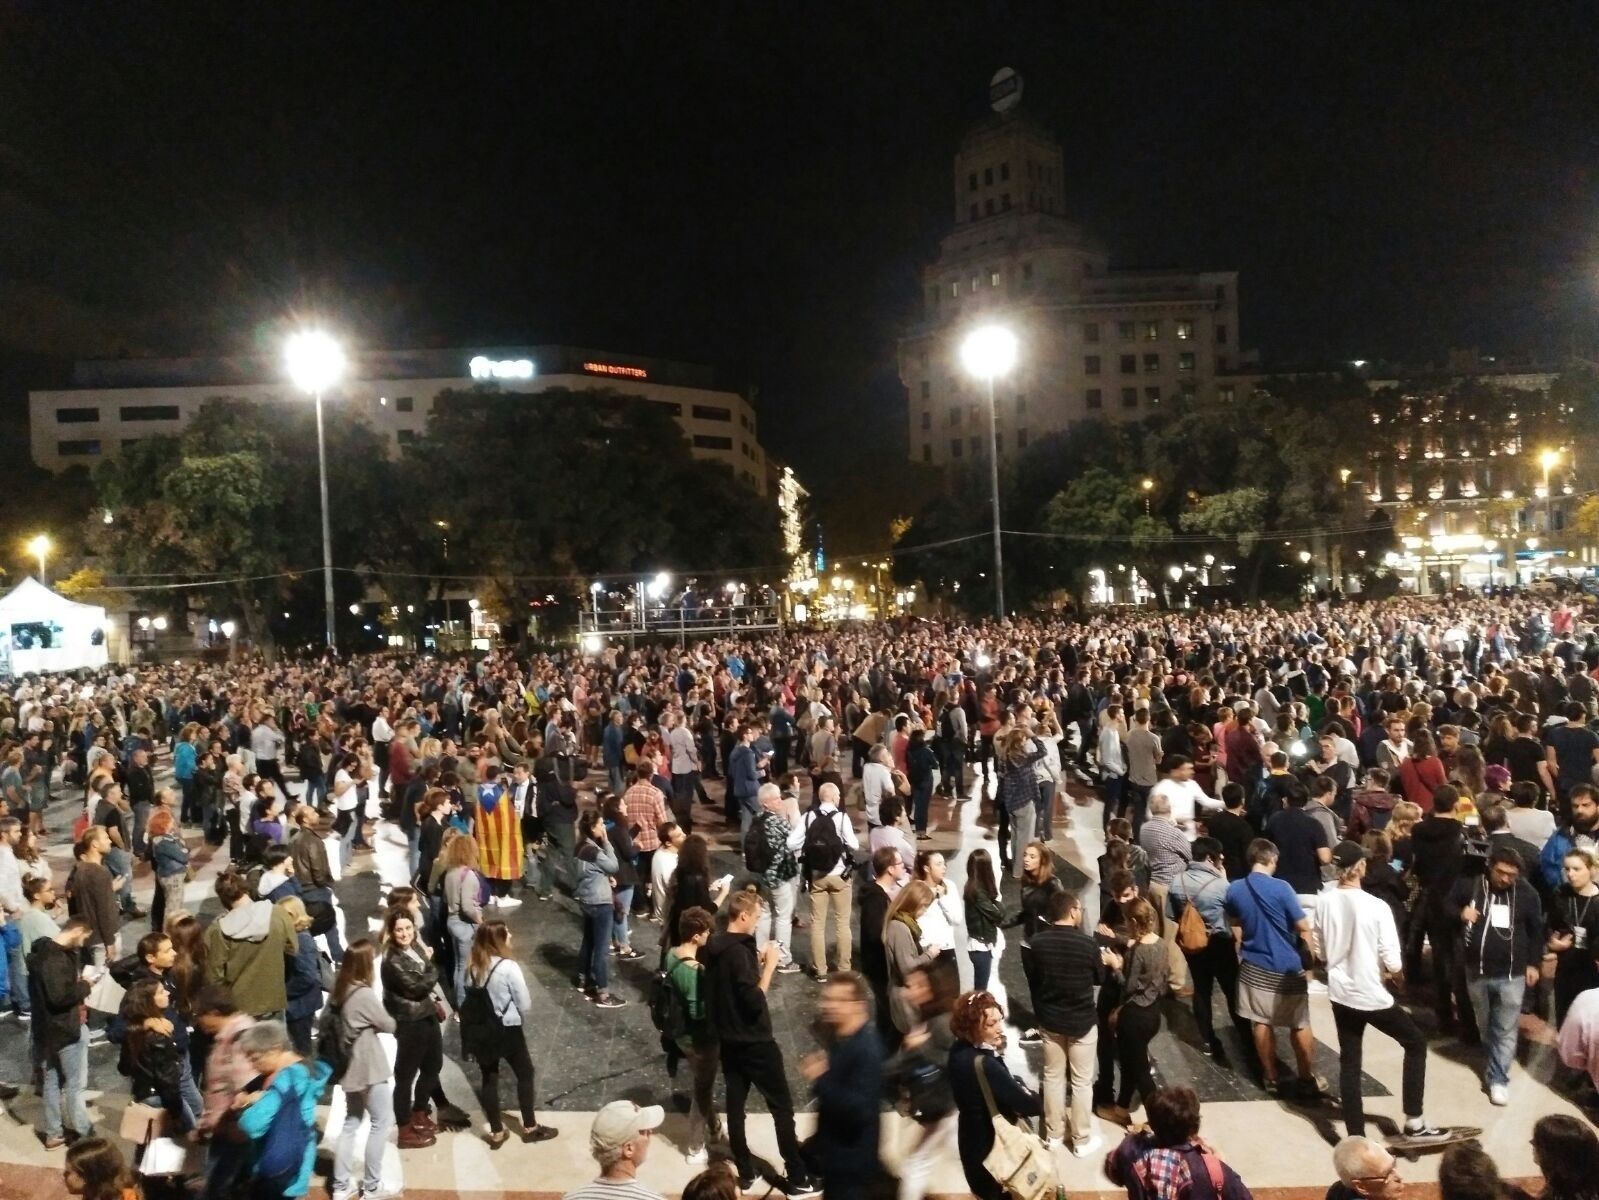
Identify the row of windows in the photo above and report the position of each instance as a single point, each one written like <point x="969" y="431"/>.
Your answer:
<point x="995" y="277"/>
<point x="1036" y="171"/>
<point x="128" y="412"/>
<point x="1149" y="331"/>
<point x="1129" y="364"/>
<point x="708" y="412"/>
<point x="706" y="441"/>
<point x="959" y="448"/>
<point x="1094" y="398"/>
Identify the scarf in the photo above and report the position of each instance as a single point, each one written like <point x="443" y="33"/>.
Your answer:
<point x="905" y="919"/>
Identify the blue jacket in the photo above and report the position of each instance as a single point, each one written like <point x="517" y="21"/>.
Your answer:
<point x="1552" y="861"/>
<point x="302" y="979"/>
<point x="169" y="855"/>
<point x="183" y="761"/>
<point x="595" y="865"/>
<point x="298" y="1083"/>
<point x="743" y="780"/>
<point x="612" y="742"/>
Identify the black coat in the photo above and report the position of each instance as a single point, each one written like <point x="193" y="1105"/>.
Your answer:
<point x="976" y="1131"/>
<point x="408" y="986"/>
<point x="55" y="991"/>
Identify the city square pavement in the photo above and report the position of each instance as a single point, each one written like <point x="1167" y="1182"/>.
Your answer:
<point x="585" y="1057"/>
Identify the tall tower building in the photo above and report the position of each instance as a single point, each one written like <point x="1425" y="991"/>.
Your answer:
<point x="1094" y="342"/>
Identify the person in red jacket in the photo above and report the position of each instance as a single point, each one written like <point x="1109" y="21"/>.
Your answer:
<point x="1422" y="772"/>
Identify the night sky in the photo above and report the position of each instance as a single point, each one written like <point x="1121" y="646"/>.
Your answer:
<point x="755" y="185"/>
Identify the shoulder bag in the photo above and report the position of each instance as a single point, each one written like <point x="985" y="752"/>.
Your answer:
<point x="1290" y="934"/>
<point x="1019" y="1161"/>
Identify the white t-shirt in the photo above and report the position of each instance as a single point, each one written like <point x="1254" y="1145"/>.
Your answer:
<point x="1533" y="825"/>
<point x="346" y="800"/>
<point x="662" y="867"/>
<point x="1187" y="799"/>
<point x="1359" y="941"/>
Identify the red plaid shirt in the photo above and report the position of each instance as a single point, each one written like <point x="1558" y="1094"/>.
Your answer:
<point x="646" y="808"/>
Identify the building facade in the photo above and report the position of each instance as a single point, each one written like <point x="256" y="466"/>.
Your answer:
<point x="112" y="403"/>
<point x="1094" y="342"/>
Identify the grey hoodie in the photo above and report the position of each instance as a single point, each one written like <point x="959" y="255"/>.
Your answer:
<point x="245" y="949"/>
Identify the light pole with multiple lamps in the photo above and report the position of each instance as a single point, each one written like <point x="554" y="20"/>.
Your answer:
<point x="316" y="363"/>
<point x="988" y="352"/>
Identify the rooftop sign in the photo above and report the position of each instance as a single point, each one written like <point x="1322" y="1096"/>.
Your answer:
<point x="501" y="368"/>
<point x="599" y="368"/>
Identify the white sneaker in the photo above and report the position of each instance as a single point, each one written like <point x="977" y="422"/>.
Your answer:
<point x="1052" y="1143"/>
<point x="1089" y="1145"/>
<point x="342" y="1193"/>
<point x="1316" y="988"/>
<point x="697" y="1158"/>
<point x="1498" y="1094"/>
<point x="508" y="902"/>
<point x="385" y="1191"/>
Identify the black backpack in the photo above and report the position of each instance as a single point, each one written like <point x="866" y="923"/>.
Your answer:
<point x="757" y="850"/>
<point x="331" y="1045"/>
<point x="668" y="1007"/>
<point x="823" y="846"/>
<point x="480" y="1024"/>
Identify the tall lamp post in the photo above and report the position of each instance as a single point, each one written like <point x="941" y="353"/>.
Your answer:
<point x="39" y="547"/>
<point x="988" y="352"/>
<point x="1548" y="458"/>
<point x="316" y="363"/>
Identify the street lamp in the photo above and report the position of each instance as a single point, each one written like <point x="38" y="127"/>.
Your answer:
<point x="316" y="362"/>
<point x="39" y="546"/>
<point x="1147" y="485"/>
<point x="987" y="353"/>
<point x="1548" y="458"/>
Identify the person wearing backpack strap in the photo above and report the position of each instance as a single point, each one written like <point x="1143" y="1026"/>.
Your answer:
<point x="492" y="1012"/>
<point x="1196" y="904"/>
<point x="1169" y="1160"/>
<point x="828" y="858"/>
<point x="280" y="1117"/>
<point x="781" y="838"/>
<point x="690" y="1031"/>
<point x="367" y="1080"/>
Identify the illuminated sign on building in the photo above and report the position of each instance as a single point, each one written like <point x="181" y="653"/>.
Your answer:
<point x="501" y="368"/>
<point x="599" y="368"/>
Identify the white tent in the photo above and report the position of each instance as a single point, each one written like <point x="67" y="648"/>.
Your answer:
<point x="41" y="631"/>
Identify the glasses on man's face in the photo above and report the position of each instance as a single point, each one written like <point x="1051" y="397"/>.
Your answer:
<point x="1391" y="1175"/>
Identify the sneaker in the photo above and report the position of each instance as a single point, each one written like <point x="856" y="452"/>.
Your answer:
<point x="1314" y="1088"/>
<point x="1498" y="1094"/>
<point x="1089" y="1145"/>
<point x="1420" y="1130"/>
<point x="507" y="902"/>
<point x="9" y="1091"/>
<point x="577" y="982"/>
<point x="789" y="968"/>
<point x="697" y="1158"/>
<point x="55" y="1141"/>
<point x="628" y="954"/>
<point x="538" y="1133"/>
<point x="606" y="1000"/>
<point x="24" y="1017"/>
<point x="1053" y="1143"/>
<point x="799" y="1185"/>
<point x="1031" y="1037"/>
<point x="383" y="1191"/>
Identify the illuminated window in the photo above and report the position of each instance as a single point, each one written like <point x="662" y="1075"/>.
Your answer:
<point x="1129" y="364"/>
<point x="1091" y="331"/>
<point x="1185" y="361"/>
<point x="1185" y="331"/>
<point x="1226" y="393"/>
<point x="993" y="278"/>
<point x="1091" y="365"/>
<point x="1152" y="395"/>
<point x="955" y="286"/>
<point x="1152" y="331"/>
<point x="977" y="282"/>
<point x="1126" y="330"/>
<point x="1129" y="397"/>
<point x="1094" y="398"/>
<point x="77" y="416"/>
<point x="1151" y="364"/>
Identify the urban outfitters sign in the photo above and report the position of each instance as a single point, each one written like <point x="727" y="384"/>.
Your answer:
<point x="501" y="368"/>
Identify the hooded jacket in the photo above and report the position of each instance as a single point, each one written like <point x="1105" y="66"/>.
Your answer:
<point x="734" y="1003"/>
<point x="55" y="992"/>
<point x="245" y="948"/>
<point x="1438" y="852"/>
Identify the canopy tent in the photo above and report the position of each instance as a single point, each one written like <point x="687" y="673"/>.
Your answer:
<point x="41" y="631"/>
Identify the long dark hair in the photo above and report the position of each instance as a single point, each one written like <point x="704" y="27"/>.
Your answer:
<point x="980" y="883"/>
<point x="587" y="821"/>
<point x="694" y="857"/>
<point x="105" y="1173"/>
<point x="1567" y="1152"/>
<point x="138" y="1006"/>
<point x="356" y="969"/>
<point x="188" y="970"/>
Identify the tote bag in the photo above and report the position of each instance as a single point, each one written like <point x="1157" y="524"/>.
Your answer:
<point x="1019" y="1161"/>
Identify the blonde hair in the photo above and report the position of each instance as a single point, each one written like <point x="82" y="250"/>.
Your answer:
<point x="1404" y="818"/>
<point x="295" y="908"/>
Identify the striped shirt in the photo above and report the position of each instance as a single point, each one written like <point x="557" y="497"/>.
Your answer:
<point x="1167" y="849"/>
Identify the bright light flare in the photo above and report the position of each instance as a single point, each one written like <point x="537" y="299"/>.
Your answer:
<point x="314" y="359"/>
<point x="989" y="352"/>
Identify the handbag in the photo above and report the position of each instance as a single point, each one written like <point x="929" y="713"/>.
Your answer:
<point x="105" y="995"/>
<point x="142" y="1122"/>
<point x="1019" y="1161"/>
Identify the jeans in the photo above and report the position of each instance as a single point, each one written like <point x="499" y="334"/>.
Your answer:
<point x="1135" y="801"/>
<point x="315" y="791"/>
<point x="120" y="862"/>
<point x="835" y="894"/>
<point x="1497" y="1003"/>
<point x="778" y="920"/>
<point x="1021" y="832"/>
<point x="760" y="1065"/>
<point x="1046" y="809"/>
<point x="921" y="800"/>
<point x="141" y="818"/>
<point x="1064" y="1054"/>
<point x="16" y="968"/>
<point x="1110" y="787"/>
<point x="511" y="1045"/>
<point x="622" y="905"/>
<point x="1216" y="963"/>
<point x="188" y="810"/>
<point x="413" y="850"/>
<point x="67" y="1071"/>
<point x="347" y="839"/>
<point x="418" y="1059"/>
<point x="982" y="966"/>
<point x="461" y="934"/>
<point x="325" y="895"/>
<point x="559" y="842"/>
<point x="618" y="784"/>
<point x="683" y="789"/>
<point x="1397" y="1024"/>
<point x="703" y="1123"/>
<point x="594" y="956"/>
<point x="376" y="1102"/>
<point x="954" y="769"/>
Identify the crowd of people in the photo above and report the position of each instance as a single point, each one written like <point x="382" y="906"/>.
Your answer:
<point x="1354" y="799"/>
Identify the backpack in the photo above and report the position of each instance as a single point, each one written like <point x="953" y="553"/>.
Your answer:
<point x="668" y="1006"/>
<point x="332" y="1047"/>
<point x="823" y="847"/>
<point x="757" y="850"/>
<point x="1193" y="935"/>
<point x="480" y="1024"/>
<point x="283" y="1146"/>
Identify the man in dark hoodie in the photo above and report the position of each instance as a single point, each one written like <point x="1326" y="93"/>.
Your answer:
<point x="245" y="948"/>
<point x="1438" y="847"/>
<point x="1503" y="947"/>
<point x="848" y="1081"/>
<point x="735" y="985"/>
<point x="56" y="992"/>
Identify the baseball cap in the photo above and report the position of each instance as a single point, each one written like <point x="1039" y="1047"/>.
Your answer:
<point x="1347" y="854"/>
<point x="620" y="1121"/>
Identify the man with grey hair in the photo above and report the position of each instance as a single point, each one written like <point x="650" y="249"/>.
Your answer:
<point x="1367" y="1170"/>
<point x="779" y="880"/>
<point x="619" y="1140"/>
<point x="877" y="783"/>
<point x="827" y="867"/>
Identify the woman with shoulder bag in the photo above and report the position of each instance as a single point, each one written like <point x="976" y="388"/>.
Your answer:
<point x="492" y="1015"/>
<point x="1143" y="974"/>
<point x="411" y="995"/>
<point x="368" y="1080"/>
<point x="983" y="1087"/>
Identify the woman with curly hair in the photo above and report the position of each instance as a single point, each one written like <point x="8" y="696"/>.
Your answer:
<point x="983" y="1086"/>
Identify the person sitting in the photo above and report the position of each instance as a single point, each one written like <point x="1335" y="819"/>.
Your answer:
<point x="1162" y="1162"/>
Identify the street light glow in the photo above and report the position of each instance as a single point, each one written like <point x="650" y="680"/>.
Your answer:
<point x="593" y="643"/>
<point x="314" y="359"/>
<point x="1549" y="458"/>
<point x="989" y="351"/>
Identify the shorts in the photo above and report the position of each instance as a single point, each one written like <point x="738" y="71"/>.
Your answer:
<point x="1269" y="998"/>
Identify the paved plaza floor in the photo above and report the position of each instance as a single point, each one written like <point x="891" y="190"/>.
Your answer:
<point x="585" y="1057"/>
